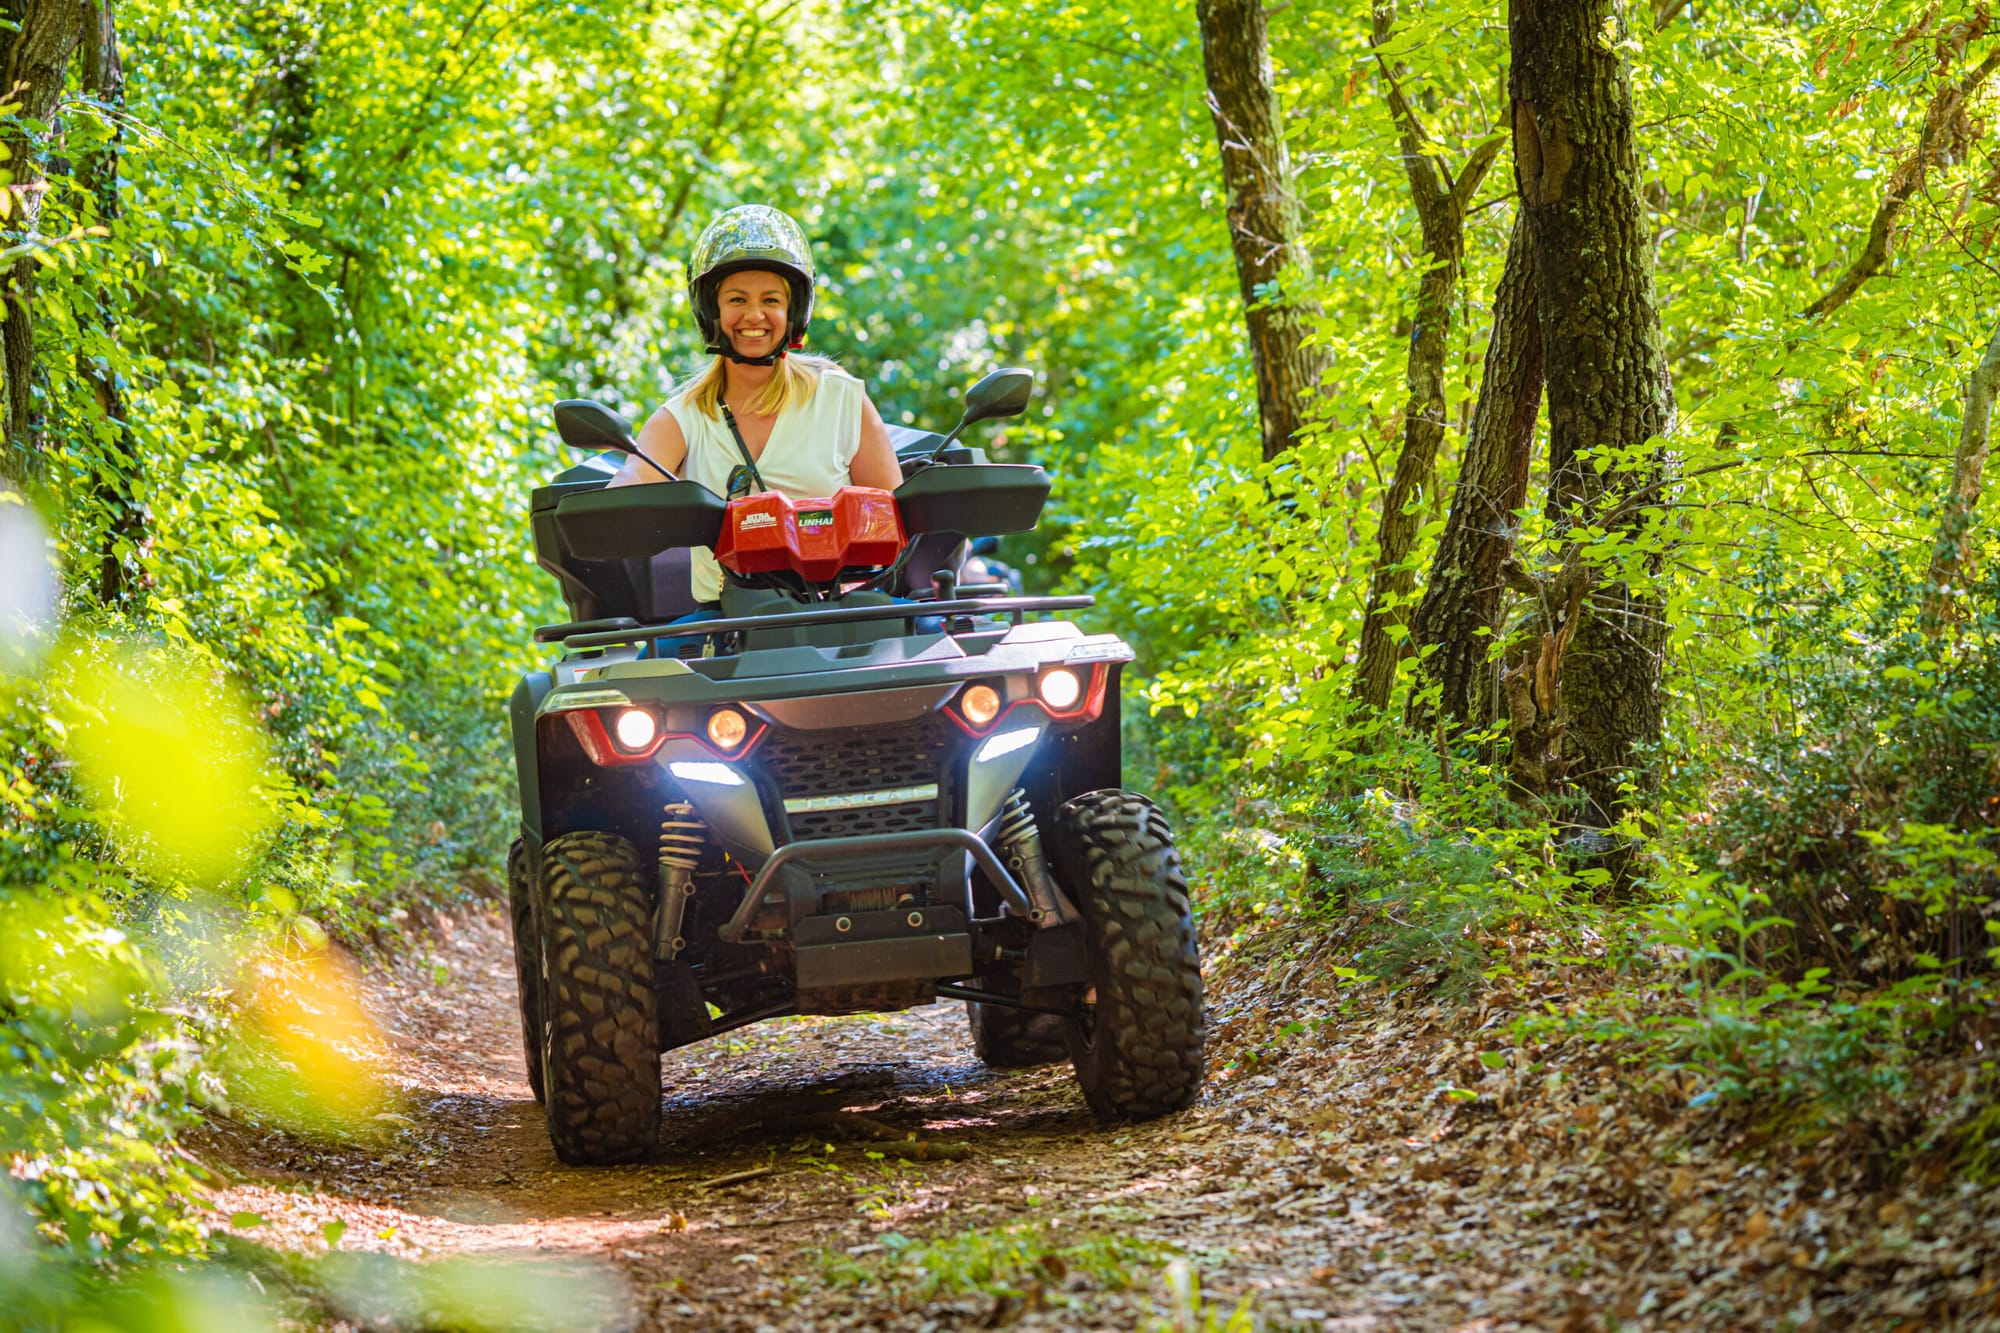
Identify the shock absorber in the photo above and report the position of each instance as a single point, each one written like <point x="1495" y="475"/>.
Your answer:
<point x="682" y="838"/>
<point x="1020" y="842"/>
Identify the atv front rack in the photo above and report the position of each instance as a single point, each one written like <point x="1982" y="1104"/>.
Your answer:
<point x="1014" y="607"/>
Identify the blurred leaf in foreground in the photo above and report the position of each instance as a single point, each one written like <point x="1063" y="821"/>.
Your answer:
<point x="473" y="1295"/>
<point x="169" y="757"/>
<point x="305" y="1054"/>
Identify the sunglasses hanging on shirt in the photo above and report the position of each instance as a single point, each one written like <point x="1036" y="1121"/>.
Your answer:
<point x="749" y="463"/>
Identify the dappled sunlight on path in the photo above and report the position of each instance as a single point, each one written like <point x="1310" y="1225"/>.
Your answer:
<point x="1353" y="1164"/>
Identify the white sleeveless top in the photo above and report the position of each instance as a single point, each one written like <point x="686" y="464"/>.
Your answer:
<point x="807" y="457"/>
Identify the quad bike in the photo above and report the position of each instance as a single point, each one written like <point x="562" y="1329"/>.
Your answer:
<point x="863" y="788"/>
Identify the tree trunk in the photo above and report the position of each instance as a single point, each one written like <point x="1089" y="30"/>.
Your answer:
<point x="1440" y="204"/>
<point x="1594" y="676"/>
<point x="120" y="482"/>
<point x="1466" y="591"/>
<point x="1951" y="558"/>
<point x="37" y="52"/>
<point x="1263" y="213"/>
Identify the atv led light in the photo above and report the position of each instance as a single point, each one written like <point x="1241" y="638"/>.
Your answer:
<point x="635" y="729"/>
<point x="727" y="728"/>
<point x="716" y="775"/>
<point x="980" y="704"/>
<point x="1006" y="742"/>
<point x="1059" y="688"/>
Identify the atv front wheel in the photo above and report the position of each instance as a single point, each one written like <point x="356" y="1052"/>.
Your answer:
<point x="527" y="960"/>
<point x="1006" y="1038"/>
<point x="1138" y="1048"/>
<point x="601" y="1063"/>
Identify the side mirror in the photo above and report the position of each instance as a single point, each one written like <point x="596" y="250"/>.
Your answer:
<point x="587" y="424"/>
<point x="1004" y="393"/>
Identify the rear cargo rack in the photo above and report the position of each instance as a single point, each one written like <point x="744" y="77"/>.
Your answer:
<point x="1014" y="607"/>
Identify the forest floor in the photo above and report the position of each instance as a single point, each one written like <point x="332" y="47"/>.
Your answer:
<point x="1352" y="1164"/>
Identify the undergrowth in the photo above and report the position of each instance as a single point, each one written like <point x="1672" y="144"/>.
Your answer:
<point x="1812" y="926"/>
<point x="1039" y="1258"/>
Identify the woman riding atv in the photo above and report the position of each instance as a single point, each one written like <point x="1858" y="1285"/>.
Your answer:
<point x="762" y="416"/>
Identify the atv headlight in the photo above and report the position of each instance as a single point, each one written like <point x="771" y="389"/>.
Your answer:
<point x="980" y="704"/>
<point x="635" y="729"/>
<point x="726" y="728"/>
<point x="1059" y="688"/>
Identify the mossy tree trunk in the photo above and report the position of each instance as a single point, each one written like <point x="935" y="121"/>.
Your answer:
<point x="1584" y="689"/>
<point x="121" y="482"/>
<point x="38" y="43"/>
<point x="1441" y="203"/>
<point x="1264" y="218"/>
<point x="1951" y="557"/>
<point x="1465" y="596"/>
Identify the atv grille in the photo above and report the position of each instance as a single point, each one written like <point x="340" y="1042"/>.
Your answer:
<point x="804" y="765"/>
<point x="865" y="819"/>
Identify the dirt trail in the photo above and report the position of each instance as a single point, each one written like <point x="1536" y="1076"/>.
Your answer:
<point x="1350" y="1166"/>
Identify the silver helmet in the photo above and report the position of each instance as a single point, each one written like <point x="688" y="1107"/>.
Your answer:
<point x="750" y="236"/>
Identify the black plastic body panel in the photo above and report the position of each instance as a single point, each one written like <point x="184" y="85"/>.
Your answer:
<point x="975" y="500"/>
<point x="909" y="442"/>
<point x="929" y="553"/>
<point x="521" y="708"/>
<point x="637" y="522"/>
<point x="650" y="590"/>
<point x="1086" y="758"/>
<point x="577" y="794"/>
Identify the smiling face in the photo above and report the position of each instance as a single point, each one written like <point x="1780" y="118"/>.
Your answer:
<point x="752" y="306"/>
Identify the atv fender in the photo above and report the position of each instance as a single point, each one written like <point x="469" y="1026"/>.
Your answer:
<point x="521" y="710"/>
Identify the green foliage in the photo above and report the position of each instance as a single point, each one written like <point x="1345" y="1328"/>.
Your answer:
<point x="1005" y="1261"/>
<point x="1832" y="914"/>
<point x="1868" y="817"/>
<point x="1188" y="1311"/>
<point x="94" y="1082"/>
<point x="291" y="399"/>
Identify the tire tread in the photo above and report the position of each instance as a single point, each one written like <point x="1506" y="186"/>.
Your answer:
<point x="527" y="960"/>
<point x="1144" y="1056"/>
<point x="601" y="1061"/>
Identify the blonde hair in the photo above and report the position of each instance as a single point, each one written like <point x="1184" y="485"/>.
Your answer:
<point x="796" y="381"/>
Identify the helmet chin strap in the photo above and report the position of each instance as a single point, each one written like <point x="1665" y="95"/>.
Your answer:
<point x="742" y="360"/>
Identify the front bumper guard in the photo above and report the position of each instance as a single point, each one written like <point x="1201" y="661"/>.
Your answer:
<point x="805" y="854"/>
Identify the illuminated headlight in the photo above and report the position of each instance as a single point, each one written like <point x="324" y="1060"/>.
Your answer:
<point x="1059" y="688"/>
<point x="635" y="729"/>
<point x="726" y="728"/>
<point x="980" y="704"/>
